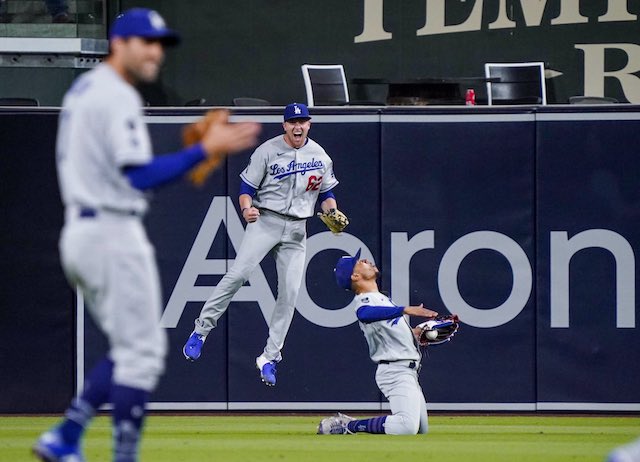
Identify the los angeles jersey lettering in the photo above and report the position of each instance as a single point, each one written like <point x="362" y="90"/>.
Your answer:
<point x="289" y="180"/>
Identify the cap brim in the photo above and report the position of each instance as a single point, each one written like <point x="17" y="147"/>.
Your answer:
<point x="168" y="38"/>
<point x="298" y="117"/>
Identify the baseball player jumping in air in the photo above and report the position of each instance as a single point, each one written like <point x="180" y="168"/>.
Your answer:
<point x="285" y="178"/>
<point x="105" y="164"/>
<point x="392" y="345"/>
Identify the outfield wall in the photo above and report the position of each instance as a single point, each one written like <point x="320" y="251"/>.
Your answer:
<point x="521" y="220"/>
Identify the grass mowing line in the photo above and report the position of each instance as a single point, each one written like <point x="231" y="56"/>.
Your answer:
<point x="292" y="439"/>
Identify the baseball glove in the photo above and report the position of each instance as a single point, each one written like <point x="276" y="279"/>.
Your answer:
<point x="193" y="133"/>
<point x="438" y="330"/>
<point x="335" y="220"/>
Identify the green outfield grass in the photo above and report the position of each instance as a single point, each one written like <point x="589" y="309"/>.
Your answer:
<point x="286" y="438"/>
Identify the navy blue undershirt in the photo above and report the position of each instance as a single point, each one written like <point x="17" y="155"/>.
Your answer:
<point x="368" y="313"/>
<point x="326" y="195"/>
<point x="246" y="188"/>
<point x="164" y="168"/>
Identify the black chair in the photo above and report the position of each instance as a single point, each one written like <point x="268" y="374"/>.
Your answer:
<point x="19" y="102"/>
<point x="592" y="100"/>
<point x="326" y="85"/>
<point x="515" y="83"/>
<point x="247" y="101"/>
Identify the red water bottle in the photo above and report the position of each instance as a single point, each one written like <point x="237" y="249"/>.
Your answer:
<point x="470" y="99"/>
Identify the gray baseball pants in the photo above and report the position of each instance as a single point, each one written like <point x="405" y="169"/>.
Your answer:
<point x="286" y="238"/>
<point x="400" y="386"/>
<point x="110" y="257"/>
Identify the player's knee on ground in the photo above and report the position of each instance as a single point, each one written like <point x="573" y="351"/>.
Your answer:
<point x="423" y="429"/>
<point x="401" y="424"/>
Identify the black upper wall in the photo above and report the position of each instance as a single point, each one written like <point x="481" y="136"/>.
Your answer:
<point x="256" y="47"/>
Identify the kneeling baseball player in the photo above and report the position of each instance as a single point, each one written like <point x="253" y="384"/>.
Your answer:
<point x="394" y="346"/>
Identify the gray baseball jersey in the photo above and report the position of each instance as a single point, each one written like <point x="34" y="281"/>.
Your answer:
<point x="288" y="180"/>
<point x="390" y="339"/>
<point x="393" y="347"/>
<point x="106" y="252"/>
<point x="101" y="130"/>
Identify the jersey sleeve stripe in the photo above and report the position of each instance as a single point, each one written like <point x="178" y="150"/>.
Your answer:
<point x="246" y="180"/>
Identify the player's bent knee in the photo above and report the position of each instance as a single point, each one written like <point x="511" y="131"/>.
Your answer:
<point x="401" y="424"/>
<point x="405" y="430"/>
<point x="409" y="429"/>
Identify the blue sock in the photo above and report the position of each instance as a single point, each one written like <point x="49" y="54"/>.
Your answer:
<point x="374" y="425"/>
<point x="96" y="392"/>
<point x="128" y="416"/>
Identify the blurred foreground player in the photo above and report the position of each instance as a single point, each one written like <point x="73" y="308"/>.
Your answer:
<point x="629" y="452"/>
<point x="105" y="164"/>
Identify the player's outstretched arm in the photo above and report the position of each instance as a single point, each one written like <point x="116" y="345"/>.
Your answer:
<point x="420" y="311"/>
<point x="164" y="168"/>
<point x="218" y="138"/>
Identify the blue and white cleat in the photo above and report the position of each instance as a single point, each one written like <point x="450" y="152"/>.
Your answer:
<point x="267" y="371"/>
<point x="335" y="425"/>
<point x="193" y="348"/>
<point x="627" y="453"/>
<point x="50" y="447"/>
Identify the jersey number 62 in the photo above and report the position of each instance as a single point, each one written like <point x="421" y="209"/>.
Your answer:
<point x="314" y="183"/>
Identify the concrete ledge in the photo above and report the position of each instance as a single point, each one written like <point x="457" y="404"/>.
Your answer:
<point x="73" y="46"/>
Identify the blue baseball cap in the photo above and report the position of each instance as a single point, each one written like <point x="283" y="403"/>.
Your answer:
<point x="344" y="270"/>
<point x="296" y="111"/>
<point x="142" y="22"/>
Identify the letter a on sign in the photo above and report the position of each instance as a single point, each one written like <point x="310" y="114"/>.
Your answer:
<point x="221" y="211"/>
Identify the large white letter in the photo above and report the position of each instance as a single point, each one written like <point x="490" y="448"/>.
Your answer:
<point x="522" y="278"/>
<point x="502" y="21"/>
<point x="569" y="13"/>
<point x="594" y="73"/>
<point x="533" y="11"/>
<point x="435" y="21"/>
<point x="562" y="249"/>
<point x="373" y="27"/>
<point x="618" y="10"/>
<point x="197" y="263"/>
<point x="402" y="249"/>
